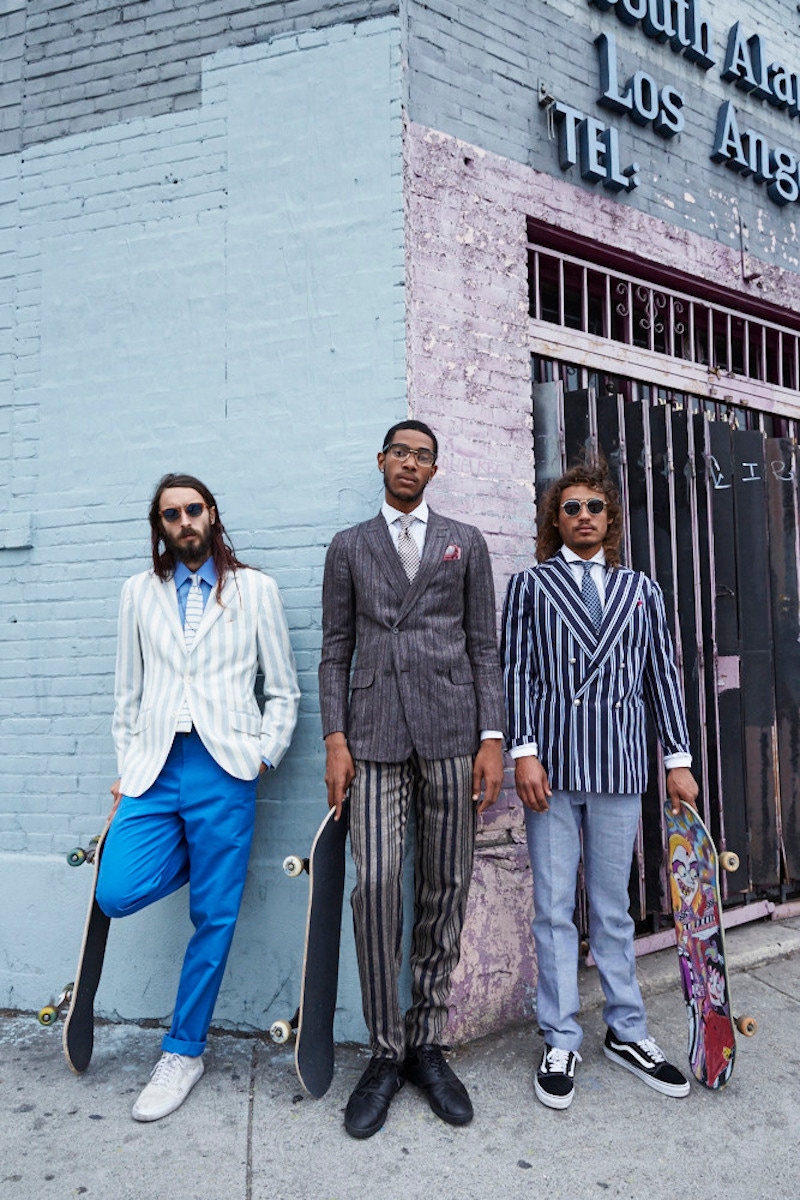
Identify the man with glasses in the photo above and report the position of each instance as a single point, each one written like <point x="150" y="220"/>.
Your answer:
<point x="419" y="725"/>
<point x="191" y="743"/>
<point x="586" y="648"/>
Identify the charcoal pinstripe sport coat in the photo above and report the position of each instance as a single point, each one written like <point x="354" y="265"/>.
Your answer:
<point x="155" y="672"/>
<point x="427" y="672"/>
<point x="580" y="695"/>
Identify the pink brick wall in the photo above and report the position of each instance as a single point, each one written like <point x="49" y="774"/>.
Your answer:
<point x="468" y="366"/>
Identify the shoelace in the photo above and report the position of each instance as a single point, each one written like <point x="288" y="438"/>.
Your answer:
<point x="557" y="1060"/>
<point x="376" y="1072"/>
<point x="432" y="1060"/>
<point x="166" y="1070"/>
<point x="649" y="1047"/>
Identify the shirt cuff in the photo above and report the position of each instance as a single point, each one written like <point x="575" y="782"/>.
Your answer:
<point x="677" y="760"/>
<point x="267" y="764"/>
<point x="529" y="750"/>
<point x="491" y="733"/>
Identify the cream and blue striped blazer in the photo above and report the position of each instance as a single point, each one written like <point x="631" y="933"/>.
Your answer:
<point x="581" y="695"/>
<point x="217" y="677"/>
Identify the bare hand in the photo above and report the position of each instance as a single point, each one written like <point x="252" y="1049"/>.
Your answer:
<point x="533" y="786"/>
<point x="117" y="794"/>
<point x="340" y="770"/>
<point x="681" y="786"/>
<point x="487" y="772"/>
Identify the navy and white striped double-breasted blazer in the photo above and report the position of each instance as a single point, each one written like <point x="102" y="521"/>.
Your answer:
<point x="580" y="694"/>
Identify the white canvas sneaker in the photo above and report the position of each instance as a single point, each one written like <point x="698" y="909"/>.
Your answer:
<point x="173" y="1077"/>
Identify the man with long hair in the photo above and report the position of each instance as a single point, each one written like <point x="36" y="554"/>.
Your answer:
<point x="586" y="649"/>
<point x="190" y="743"/>
<point x="417" y="726"/>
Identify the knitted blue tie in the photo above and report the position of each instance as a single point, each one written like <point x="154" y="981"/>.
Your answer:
<point x="591" y="596"/>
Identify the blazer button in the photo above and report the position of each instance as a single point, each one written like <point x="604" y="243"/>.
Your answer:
<point x="577" y="703"/>
<point x="395" y="629"/>
<point x="573" y="661"/>
<point x="618" y="705"/>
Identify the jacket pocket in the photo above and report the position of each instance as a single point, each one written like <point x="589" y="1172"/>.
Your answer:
<point x="246" y="723"/>
<point x="363" y="677"/>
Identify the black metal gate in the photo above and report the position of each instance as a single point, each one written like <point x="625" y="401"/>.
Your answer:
<point x="713" y="513"/>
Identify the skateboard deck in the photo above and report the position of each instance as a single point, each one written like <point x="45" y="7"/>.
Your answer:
<point x="697" y="910"/>
<point x="313" y="1021"/>
<point x="78" y="1035"/>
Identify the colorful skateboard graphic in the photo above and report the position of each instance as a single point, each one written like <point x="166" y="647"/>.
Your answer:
<point x="697" y="910"/>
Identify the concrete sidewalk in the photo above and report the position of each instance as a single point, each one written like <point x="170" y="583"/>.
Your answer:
<point x="248" y="1133"/>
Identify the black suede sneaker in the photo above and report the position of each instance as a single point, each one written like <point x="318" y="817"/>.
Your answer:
<point x="554" y="1084"/>
<point x="646" y="1060"/>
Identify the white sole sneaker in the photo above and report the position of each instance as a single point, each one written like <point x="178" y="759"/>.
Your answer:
<point x="677" y="1090"/>
<point x="173" y="1077"/>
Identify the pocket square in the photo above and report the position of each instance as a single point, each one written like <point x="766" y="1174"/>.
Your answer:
<point x="452" y="553"/>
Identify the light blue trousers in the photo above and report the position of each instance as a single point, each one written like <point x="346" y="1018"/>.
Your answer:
<point x="195" y="826"/>
<point x="607" y="825"/>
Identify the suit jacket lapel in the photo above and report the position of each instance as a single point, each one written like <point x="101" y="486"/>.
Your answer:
<point x="623" y="594"/>
<point x="558" y="582"/>
<point x="380" y="543"/>
<point x="213" y="611"/>
<point x="432" y="553"/>
<point x="167" y="598"/>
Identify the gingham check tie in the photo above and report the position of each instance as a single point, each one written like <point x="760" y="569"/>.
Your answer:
<point x="194" y="611"/>
<point x="406" y="546"/>
<point x="591" y="596"/>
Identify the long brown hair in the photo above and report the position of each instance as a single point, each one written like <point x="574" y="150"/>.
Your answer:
<point x="594" y="475"/>
<point x="222" y="551"/>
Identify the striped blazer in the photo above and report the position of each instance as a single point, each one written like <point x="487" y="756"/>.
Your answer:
<point x="581" y="695"/>
<point x="154" y="674"/>
<point x="427" y="673"/>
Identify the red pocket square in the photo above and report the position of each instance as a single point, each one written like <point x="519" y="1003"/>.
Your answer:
<point x="452" y="553"/>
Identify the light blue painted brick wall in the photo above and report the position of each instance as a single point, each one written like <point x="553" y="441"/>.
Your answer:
<point x="220" y="292"/>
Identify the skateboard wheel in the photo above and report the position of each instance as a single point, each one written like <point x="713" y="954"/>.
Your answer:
<point x="280" y="1031"/>
<point x="76" y="857"/>
<point x="729" y="860"/>
<point x="747" y="1026"/>
<point x="293" y="866"/>
<point x="47" y="1015"/>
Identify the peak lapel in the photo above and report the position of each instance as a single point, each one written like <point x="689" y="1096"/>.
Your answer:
<point x="623" y="593"/>
<point x="557" y="580"/>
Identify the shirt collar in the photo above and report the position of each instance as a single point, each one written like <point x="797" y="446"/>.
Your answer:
<point x="572" y="557"/>
<point x="208" y="573"/>
<point x="390" y="514"/>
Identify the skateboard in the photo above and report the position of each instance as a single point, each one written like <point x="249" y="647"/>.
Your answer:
<point x="78" y="997"/>
<point x="313" y="1021"/>
<point x="697" y="909"/>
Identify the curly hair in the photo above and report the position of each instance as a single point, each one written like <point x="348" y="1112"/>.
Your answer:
<point x="222" y="551"/>
<point x="594" y="475"/>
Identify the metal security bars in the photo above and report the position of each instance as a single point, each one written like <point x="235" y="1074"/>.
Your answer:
<point x="585" y="313"/>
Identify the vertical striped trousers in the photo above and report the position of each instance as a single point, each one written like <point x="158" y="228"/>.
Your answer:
<point x="381" y="797"/>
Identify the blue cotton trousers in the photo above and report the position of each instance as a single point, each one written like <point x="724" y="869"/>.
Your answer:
<point x="193" y="825"/>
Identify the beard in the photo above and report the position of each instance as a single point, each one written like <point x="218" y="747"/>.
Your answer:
<point x="194" y="549"/>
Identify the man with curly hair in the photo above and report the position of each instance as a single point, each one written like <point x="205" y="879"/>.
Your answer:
<point x="586" y="650"/>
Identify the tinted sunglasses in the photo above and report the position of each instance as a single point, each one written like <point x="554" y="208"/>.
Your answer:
<point x="573" y="507"/>
<point x="170" y="515"/>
